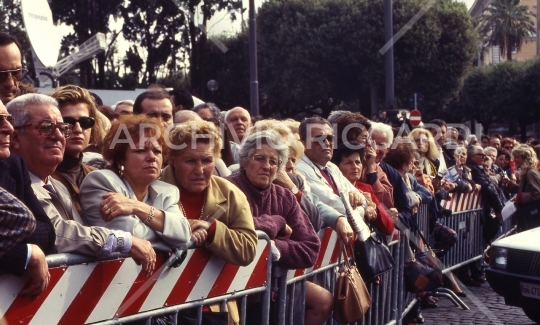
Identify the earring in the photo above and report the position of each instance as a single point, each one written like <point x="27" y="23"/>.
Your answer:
<point x="121" y="171"/>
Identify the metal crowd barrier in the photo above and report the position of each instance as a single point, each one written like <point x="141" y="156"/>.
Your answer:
<point x="115" y="291"/>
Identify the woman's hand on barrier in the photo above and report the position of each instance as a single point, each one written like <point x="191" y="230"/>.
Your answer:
<point x="370" y="214"/>
<point x="449" y="186"/>
<point x="199" y="236"/>
<point x="356" y="199"/>
<point x="142" y="253"/>
<point x="344" y="230"/>
<point x="478" y="187"/>
<point x="393" y="213"/>
<point x="115" y="204"/>
<point x="285" y="233"/>
<point x="197" y="224"/>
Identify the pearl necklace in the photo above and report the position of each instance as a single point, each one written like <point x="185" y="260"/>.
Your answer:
<point x="202" y="209"/>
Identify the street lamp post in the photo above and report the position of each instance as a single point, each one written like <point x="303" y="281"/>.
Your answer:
<point x="389" y="55"/>
<point x="254" y="82"/>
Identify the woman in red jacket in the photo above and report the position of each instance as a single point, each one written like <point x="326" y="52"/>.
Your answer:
<point x="349" y="157"/>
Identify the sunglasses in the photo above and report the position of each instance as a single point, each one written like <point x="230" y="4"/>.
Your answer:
<point x="47" y="128"/>
<point x="16" y="74"/>
<point x="324" y="137"/>
<point x="85" y="122"/>
<point x="6" y="117"/>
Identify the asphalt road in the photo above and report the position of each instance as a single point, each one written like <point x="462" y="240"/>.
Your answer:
<point x="486" y="306"/>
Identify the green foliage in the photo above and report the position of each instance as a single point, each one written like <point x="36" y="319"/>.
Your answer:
<point x="311" y="51"/>
<point x="230" y="70"/>
<point x="11" y="22"/>
<point x="508" y="24"/>
<point x="503" y="92"/>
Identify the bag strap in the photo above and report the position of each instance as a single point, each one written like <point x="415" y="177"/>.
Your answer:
<point x="343" y="254"/>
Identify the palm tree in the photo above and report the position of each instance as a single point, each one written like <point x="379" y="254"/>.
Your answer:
<point x="507" y="24"/>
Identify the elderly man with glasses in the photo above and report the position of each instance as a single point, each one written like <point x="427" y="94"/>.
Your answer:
<point x="11" y="68"/>
<point x="40" y="139"/>
<point x="20" y="207"/>
<point x="489" y="191"/>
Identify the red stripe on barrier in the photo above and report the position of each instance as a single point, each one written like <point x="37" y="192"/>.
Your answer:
<point x="91" y="292"/>
<point x="258" y="276"/>
<point x="324" y="246"/>
<point x="335" y="253"/>
<point x="189" y="277"/>
<point x="299" y="272"/>
<point x="139" y="290"/>
<point x="23" y="309"/>
<point x="224" y="280"/>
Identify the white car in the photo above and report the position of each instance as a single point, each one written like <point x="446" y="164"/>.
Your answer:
<point x="514" y="271"/>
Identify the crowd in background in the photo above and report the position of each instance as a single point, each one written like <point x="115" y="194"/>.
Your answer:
<point x="150" y="174"/>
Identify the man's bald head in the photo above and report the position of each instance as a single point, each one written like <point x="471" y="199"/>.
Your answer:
<point x="184" y="116"/>
<point x="238" y="121"/>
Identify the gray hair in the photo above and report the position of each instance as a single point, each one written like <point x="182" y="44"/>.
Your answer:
<point x="472" y="150"/>
<point x="184" y="116"/>
<point x="123" y="102"/>
<point x="20" y="108"/>
<point x="254" y="140"/>
<point x="216" y="113"/>
<point x="490" y="149"/>
<point x="384" y="128"/>
<point x="229" y="112"/>
<point x="335" y="115"/>
<point x="459" y="151"/>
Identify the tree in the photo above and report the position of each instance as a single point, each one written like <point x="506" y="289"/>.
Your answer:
<point x="87" y="17"/>
<point x="11" y="22"/>
<point x="488" y="93"/>
<point x="525" y="96"/>
<point x="159" y="26"/>
<point x="315" y="52"/>
<point x="507" y="24"/>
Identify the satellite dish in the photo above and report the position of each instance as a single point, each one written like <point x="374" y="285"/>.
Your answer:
<point x="37" y="17"/>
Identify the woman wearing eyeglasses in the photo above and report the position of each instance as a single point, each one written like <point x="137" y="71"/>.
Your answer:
<point x="79" y="110"/>
<point x="276" y="212"/>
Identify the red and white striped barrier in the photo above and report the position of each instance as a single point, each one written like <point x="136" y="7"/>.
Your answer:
<point x="328" y="254"/>
<point x="461" y="202"/>
<point x="98" y="291"/>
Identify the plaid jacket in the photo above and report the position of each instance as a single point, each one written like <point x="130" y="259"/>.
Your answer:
<point x="16" y="222"/>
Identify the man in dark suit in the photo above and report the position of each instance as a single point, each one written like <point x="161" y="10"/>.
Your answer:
<point x="489" y="191"/>
<point x="29" y="254"/>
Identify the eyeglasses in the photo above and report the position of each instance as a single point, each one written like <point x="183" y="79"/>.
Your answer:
<point x="416" y="163"/>
<point x="323" y="137"/>
<point x="16" y="74"/>
<point x="6" y="117"/>
<point x="509" y="148"/>
<point x="85" y="122"/>
<point x="480" y="154"/>
<point x="261" y="159"/>
<point x="47" y="128"/>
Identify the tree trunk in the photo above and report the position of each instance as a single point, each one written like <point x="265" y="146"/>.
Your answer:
<point x="509" y="52"/>
<point x="523" y="130"/>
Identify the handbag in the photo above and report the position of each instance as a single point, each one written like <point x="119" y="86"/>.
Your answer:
<point x="372" y="257"/>
<point x="351" y="297"/>
<point x="423" y="273"/>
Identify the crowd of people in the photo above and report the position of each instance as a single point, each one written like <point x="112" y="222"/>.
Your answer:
<point x="150" y="174"/>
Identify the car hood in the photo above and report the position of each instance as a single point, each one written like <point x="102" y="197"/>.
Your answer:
<point x="528" y="240"/>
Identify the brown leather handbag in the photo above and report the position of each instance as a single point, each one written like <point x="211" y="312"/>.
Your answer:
<point x="351" y="297"/>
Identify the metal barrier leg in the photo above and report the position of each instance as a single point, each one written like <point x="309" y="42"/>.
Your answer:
<point x="243" y="304"/>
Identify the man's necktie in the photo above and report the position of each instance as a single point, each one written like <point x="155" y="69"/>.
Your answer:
<point x="326" y="173"/>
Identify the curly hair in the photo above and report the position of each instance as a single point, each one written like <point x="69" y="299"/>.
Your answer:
<point x="346" y="149"/>
<point x="194" y="131"/>
<point x="432" y="153"/>
<point x="400" y="155"/>
<point x="350" y="127"/>
<point x="126" y="132"/>
<point x="528" y="155"/>
<point x="73" y="95"/>
<point x="268" y="137"/>
<point x="296" y="148"/>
